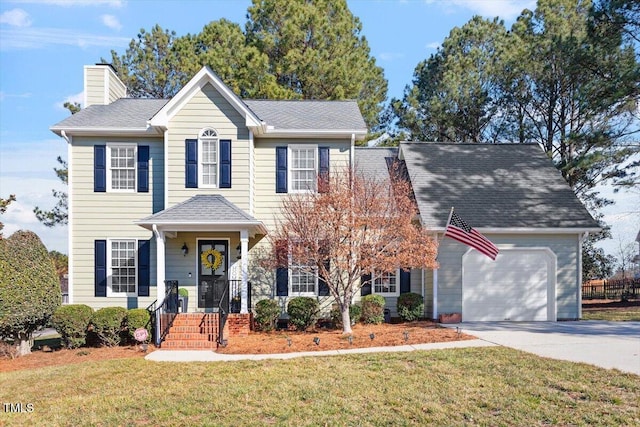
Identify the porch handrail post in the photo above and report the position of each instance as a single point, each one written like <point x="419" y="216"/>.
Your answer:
<point x="244" y="257"/>
<point x="160" y="265"/>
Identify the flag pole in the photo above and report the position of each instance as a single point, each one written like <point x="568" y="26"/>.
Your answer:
<point x="445" y="230"/>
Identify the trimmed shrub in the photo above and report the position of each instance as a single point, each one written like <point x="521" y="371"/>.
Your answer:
<point x="373" y="309"/>
<point x="410" y="306"/>
<point x="138" y="318"/>
<point x="303" y="312"/>
<point x="71" y="322"/>
<point x="29" y="288"/>
<point x="108" y="324"/>
<point x="267" y="313"/>
<point x="183" y="292"/>
<point x="355" y="313"/>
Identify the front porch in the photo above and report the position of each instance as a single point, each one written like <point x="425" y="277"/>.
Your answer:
<point x="202" y="247"/>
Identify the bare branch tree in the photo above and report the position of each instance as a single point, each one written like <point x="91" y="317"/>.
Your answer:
<point x="351" y="227"/>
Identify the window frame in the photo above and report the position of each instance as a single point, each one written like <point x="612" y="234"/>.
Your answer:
<point x="375" y="276"/>
<point x="201" y="164"/>
<point x="299" y="266"/>
<point x="110" y="267"/>
<point x="109" y="169"/>
<point x="290" y="169"/>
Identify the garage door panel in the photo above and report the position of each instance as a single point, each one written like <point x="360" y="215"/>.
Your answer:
<point x="515" y="286"/>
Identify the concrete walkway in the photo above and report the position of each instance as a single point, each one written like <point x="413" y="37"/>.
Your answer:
<point x="605" y="344"/>
<point x="211" y="356"/>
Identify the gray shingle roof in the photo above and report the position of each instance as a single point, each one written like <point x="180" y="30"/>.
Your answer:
<point x="492" y="185"/>
<point x="308" y="114"/>
<point x="202" y="209"/>
<point x="372" y="162"/>
<point x="123" y="113"/>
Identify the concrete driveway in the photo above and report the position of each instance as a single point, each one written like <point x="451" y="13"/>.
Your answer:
<point x="604" y="344"/>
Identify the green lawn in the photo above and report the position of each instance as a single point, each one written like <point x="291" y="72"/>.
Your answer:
<point x="485" y="386"/>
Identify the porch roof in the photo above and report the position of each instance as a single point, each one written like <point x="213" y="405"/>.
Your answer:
<point x="204" y="212"/>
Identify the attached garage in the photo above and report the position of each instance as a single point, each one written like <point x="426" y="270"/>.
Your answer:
<point x="520" y="285"/>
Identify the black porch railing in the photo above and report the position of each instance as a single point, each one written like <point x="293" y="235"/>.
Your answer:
<point x="235" y="288"/>
<point x="163" y="315"/>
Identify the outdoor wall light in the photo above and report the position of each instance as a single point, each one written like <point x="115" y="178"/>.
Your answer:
<point x="185" y="249"/>
<point x="189" y="274"/>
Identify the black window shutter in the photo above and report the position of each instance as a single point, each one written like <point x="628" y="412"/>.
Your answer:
<point x="366" y="288"/>
<point x="323" y="288"/>
<point x="100" y="265"/>
<point x="282" y="273"/>
<point x="282" y="282"/>
<point x="323" y="172"/>
<point x="143" y="168"/>
<point x="191" y="163"/>
<point x="99" y="168"/>
<point x="144" y="270"/>
<point x="281" y="169"/>
<point x="225" y="163"/>
<point x="405" y="281"/>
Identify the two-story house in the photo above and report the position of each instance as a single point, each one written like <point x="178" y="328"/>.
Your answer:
<point x="186" y="190"/>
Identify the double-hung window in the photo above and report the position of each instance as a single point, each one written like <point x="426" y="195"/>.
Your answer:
<point x="122" y="267"/>
<point x="386" y="284"/>
<point x="121" y="173"/>
<point x="303" y="167"/>
<point x="208" y="158"/>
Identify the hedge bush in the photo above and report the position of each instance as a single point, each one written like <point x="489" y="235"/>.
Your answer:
<point x="373" y="309"/>
<point x="138" y="318"/>
<point x="71" y="322"/>
<point x="108" y="324"/>
<point x="29" y="287"/>
<point x="303" y="312"/>
<point x="410" y="306"/>
<point x="267" y="313"/>
<point x="355" y="313"/>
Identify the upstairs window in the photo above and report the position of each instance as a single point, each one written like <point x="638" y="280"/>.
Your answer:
<point x="122" y="167"/>
<point x="303" y="168"/>
<point x="208" y="158"/>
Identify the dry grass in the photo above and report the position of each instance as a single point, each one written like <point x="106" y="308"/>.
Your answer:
<point x="486" y="386"/>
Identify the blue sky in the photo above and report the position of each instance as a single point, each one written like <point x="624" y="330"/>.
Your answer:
<point x="44" y="45"/>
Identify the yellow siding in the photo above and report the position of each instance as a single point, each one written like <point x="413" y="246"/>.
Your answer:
<point x="94" y="86"/>
<point x="267" y="201"/>
<point x="117" y="89"/>
<point x="107" y="216"/>
<point x="207" y="108"/>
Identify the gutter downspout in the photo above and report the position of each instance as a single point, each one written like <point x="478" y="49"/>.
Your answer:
<point x="70" y="244"/>
<point x="352" y="155"/>
<point x="581" y="239"/>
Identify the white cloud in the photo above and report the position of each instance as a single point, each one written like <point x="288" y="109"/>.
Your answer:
<point x="111" y="22"/>
<point x="4" y="95"/>
<point x="77" y="98"/>
<point x="36" y="38"/>
<point x="70" y="3"/>
<point x="505" y="9"/>
<point x="15" y="18"/>
<point x="390" y="56"/>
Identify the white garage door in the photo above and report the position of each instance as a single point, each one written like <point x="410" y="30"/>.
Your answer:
<point x="519" y="286"/>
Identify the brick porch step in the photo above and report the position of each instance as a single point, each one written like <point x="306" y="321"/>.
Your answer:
<point x="192" y="331"/>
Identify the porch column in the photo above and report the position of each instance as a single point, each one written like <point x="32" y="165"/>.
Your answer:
<point x="244" y="262"/>
<point x="160" y="255"/>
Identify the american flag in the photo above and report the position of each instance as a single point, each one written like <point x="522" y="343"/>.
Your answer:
<point x="459" y="230"/>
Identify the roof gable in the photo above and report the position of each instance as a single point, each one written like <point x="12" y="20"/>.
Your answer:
<point x="204" y="76"/>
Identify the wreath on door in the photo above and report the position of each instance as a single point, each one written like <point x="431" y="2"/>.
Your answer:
<point x="211" y="259"/>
